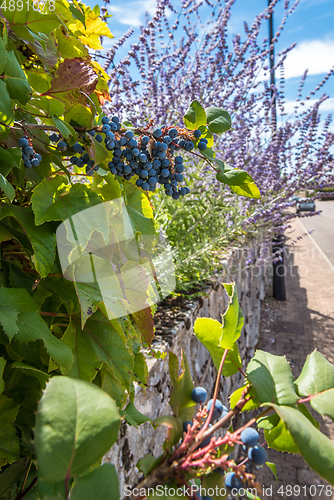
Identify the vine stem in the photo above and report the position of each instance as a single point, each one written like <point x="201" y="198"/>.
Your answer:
<point x="208" y="420"/>
<point x="36" y="126"/>
<point x="305" y="400"/>
<point x="54" y="314"/>
<point x="26" y="491"/>
<point x="253" y="421"/>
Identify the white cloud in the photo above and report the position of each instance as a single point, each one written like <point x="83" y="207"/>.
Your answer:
<point x="316" y="55"/>
<point x="132" y="13"/>
<point x="326" y="107"/>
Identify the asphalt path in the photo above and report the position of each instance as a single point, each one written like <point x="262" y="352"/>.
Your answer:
<point x="323" y="226"/>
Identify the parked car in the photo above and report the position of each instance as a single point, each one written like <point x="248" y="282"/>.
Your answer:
<point x="295" y="198"/>
<point x="305" y="205"/>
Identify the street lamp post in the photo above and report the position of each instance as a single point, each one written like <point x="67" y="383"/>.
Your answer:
<point x="278" y="242"/>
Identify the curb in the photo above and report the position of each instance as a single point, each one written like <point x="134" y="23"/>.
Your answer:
<point x="317" y="246"/>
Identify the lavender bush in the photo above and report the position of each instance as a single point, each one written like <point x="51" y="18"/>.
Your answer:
<point x="170" y="65"/>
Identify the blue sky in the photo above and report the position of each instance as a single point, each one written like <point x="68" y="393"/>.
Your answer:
<point x="311" y="26"/>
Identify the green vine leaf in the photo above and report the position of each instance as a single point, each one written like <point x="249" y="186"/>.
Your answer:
<point x="232" y="319"/>
<point x="9" y="441"/>
<point x="42" y="239"/>
<point x="32" y="327"/>
<point x="7" y="188"/>
<point x="65" y="444"/>
<point x="97" y="152"/>
<point x="218" y="120"/>
<point x="271" y="378"/>
<point x="3" y="56"/>
<point x="2" y="367"/>
<point x="15" y="79"/>
<point x="6" y="112"/>
<point x="133" y="416"/>
<point x="100" y="341"/>
<point x="195" y="116"/>
<point x="272" y="467"/>
<point x="217" y="482"/>
<point x="148" y="463"/>
<point x="211" y="333"/>
<point x="51" y="200"/>
<point x="316" y="448"/>
<point x="280" y="439"/>
<point x="316" y="376"/>
<point x="180" y="400"/>
<point x="11" y="475"/>
<point x="240" y="182"/>
<point x="175" y="430"/>
<point x="101" y="484"/>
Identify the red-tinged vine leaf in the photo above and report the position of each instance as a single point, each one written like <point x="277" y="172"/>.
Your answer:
<point x="144" y="321"/>
<point x="73" y="74"/>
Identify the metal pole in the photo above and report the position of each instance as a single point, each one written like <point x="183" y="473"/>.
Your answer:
<point x="272" y="72"/>
<point x="278" y="247"/>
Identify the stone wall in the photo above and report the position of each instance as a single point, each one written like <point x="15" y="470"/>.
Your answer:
<point x="252" y="282"/>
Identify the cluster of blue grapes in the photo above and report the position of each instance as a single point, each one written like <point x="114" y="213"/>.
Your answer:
<point x="249" y="437"/>
<point x="151" y="157"/>
<point x="29" y="157"/>
<point x="61" y="145"/>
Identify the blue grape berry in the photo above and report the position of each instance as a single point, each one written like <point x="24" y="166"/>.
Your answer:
<point x="185" y="425"/>
<point x="197" y="134"/>
<point x="129" y="134"/>
<point x="157" y="132"/>
<point x="173" y="133"/>
<point x="23" y="142"/>
<point x="232" y="481"/>
<point x="218" y="410"/>
<point x="77" y="148"/>
<point x="53" y="137"/>
<point x="27" y="164"/>
<point x="189" y="146"/>
<point x="225" y="412"/>
<point x="201" y="145"/>
<point x="257" y="455"/>
<point x="61" y="146"/>
<point x="199" y="395"/>
<point x="105" y="120"/>
<point x="206" y="441"/>
<point x="249" y="437"/>
<point x="29" y="150"/>
<point x="106" y="128"/>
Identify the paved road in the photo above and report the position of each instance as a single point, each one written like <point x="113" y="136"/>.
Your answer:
<point x="324" y="227"/>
